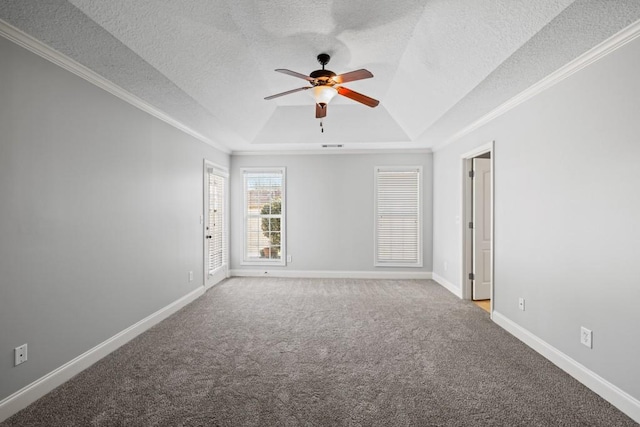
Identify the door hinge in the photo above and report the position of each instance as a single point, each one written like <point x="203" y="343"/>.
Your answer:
<point x="472" y="276"/>
<point x="472" y="174"/>
<point x="471" y="225"/>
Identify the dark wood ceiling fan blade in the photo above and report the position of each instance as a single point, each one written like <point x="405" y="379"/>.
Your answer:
<point x="363" y="99"/>
<point x="287" y="92"/>
<point x="352" y="76"/>
<point x="294" y="74"/>
<point x="321" y="111"/>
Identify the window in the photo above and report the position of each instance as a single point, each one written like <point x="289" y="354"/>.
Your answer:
<point x="398" y="217"/>
<point x="264" y="216"/>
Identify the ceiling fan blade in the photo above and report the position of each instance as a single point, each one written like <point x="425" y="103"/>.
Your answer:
<point x="294" y="74"/>
<point x="353" y="75"/>
<point x="363" y="99"/>
<point x="287" y="92"/>
<point x="321" y="111"/>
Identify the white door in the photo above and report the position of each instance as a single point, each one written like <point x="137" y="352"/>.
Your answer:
<point x="215" y="260"/>
<point x="482" y="229"/>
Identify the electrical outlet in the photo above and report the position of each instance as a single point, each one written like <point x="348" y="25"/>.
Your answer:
<point x="521" y="303"/>
<point x="20" y="354"/>
<point x="191" y="276"/>
<point x="586" y="337"/>
<point x="288" y="258"/>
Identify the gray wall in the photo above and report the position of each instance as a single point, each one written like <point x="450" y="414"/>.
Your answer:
<point x="567" y="210"/>
<point x="330" y="216"/>
<point x="99" y="215"/>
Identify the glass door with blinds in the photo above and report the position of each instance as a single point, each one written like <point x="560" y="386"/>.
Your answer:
<point x="215" y="224"/>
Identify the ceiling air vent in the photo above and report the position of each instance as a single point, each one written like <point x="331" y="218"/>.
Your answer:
<point x="331" y="145"/>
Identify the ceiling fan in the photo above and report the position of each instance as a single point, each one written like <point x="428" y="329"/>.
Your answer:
<point x="325" y="85"/>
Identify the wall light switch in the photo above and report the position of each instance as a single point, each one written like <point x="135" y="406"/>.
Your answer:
<point x="288" y="258"/>
<point x="191" y="276"/>
<point x="521" y="303"/>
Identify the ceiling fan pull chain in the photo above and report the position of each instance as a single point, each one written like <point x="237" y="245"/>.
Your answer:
<point x="321" y="127"/>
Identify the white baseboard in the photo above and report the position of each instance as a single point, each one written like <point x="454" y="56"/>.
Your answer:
<point x="448" y="285"/>
<point x="217" y="277"/>
<point x="32" y="392"/>
<point x="617" y="397"/>
<point x="332" y="274"/>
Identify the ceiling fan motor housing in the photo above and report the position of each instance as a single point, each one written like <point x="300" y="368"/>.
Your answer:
<point x="322" y="77"/>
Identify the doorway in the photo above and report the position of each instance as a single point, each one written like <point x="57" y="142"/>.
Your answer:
<point x="215" y="221"/>
<point x="477" y="205"/>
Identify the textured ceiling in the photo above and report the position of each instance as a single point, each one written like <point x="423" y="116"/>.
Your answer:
<point x="438" y="65"/>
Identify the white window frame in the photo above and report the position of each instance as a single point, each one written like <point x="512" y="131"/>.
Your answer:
<point x="419" y="256"/>
<point x="283" y="218"/>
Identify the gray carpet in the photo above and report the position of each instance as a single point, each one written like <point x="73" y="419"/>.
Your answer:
<point x="312" y="352"/>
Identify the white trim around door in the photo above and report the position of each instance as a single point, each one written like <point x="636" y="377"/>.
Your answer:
<point x="212" y="276"/>
<point x="466" y="215"/>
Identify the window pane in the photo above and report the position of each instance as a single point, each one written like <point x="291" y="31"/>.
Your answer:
<point x="253" y="245"/>
<point x="275" y="252"/>
<point x="274" y="238"/>
<point x="264" y="215"/>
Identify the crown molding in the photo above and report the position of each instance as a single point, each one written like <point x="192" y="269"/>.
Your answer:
<point x="332" y="151"/>
<point x="34" y="45"/>
<point x="594" y="54"/>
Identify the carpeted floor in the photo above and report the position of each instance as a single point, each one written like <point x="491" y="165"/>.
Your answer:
<point x="318" y="352"/>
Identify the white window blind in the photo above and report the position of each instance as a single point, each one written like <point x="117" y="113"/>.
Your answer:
<point x="398" y="221"/>
<point x="216" y="243"/>
<point x="264" y="222"/>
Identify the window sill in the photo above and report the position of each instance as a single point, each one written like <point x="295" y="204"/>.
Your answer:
<point x="389" y="264"/>
<point x="280" y="263"/>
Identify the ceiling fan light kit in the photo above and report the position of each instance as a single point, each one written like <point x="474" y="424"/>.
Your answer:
<point x="324" y="94"/>
<point x="325" y="85"/>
